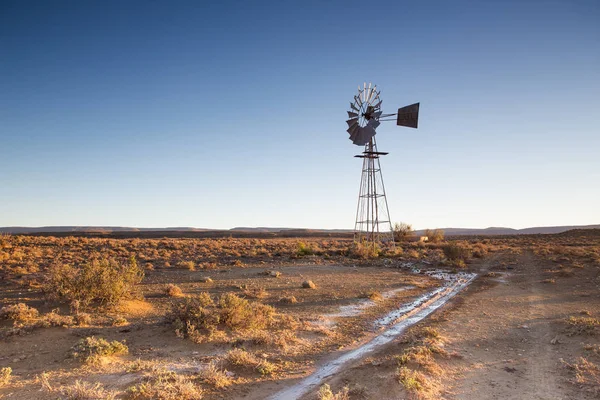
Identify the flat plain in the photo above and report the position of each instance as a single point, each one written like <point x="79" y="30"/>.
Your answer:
<point x="190" y="318"/>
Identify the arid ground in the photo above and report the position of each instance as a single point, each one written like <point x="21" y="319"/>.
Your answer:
<point x="214" y="318"/>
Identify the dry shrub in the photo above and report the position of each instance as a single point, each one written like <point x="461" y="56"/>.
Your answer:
<point x="80" y="390"/>
<point x="199" y="316"/>
<point x="373" y="295"/>
<point x="457" y="253"/>
<point x="414" y="381"/>
<point x="215" y="377"/>
<point x="587" y="375"/>
<point x="165" y="385"/>
<point x="247" y="361"/>
<point x="364" y="250"/>
<point x="288" y="300"/>
<point x="90" y="350"/>
<point x="172" y="290"/>
<point x="325" y="393"/>
<point x="259" y="293"/>
<point x="304" y="250"/>
<point x="582" y="325"/>
<point x="19" y="313"/>
<point x="5" y="375"/>
<point x="104" y="282"/>
<point x="434" y="235"/>
<point x="189" y="265"/>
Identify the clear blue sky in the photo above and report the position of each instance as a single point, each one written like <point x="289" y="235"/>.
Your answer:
<point x="222" y="114"/>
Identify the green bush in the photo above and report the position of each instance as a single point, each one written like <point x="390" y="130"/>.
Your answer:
<point x="104" y="282"/>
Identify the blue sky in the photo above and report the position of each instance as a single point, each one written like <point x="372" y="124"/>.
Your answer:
<point x="223" y="114"/>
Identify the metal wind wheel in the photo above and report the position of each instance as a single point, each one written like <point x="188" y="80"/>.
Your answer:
<point x="364" y="115"/>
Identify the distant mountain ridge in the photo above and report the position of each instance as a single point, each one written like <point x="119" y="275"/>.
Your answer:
<point x="288" y="231"/>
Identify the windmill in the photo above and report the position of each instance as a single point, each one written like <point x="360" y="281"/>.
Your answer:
<point x="373" y="223"/>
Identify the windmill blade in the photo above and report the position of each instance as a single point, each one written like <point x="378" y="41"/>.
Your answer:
<point x="352" y="106"/>
<point x="408" y="116"/>
<point x="352" y="114"/>
<point x="352" y="121"/>
<point x="355" y="134"/>
<point x="366" y="133"/>
<point x="353" y="129"/>
<point x="377" y="114"/>
<point x="374" y="123"/>
<point x="358" y="101"/>
<point x="378" y="105"/>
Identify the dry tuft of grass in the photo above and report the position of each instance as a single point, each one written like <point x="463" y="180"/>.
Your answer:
<point x="19" y="313"/>
<point x="5" y="376"/>
<point x="215" y="377"/>
<point x="587" y="375"/>
<point x="373" y="296"/>
<point x="80" y="390"/>
<point x="582" y="325"/>
<point x="91" y="350"/>
<point x="172" y="290"/>
<point x="165" y="385"/>
<point x="288" y="300"/>
<point x="325" y="393"/>
<point x="247" y="361"/>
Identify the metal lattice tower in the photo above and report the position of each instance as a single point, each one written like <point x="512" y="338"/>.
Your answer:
<point x="373" y="222"/>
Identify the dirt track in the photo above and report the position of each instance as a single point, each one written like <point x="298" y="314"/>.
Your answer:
<point x="502" y="331"/>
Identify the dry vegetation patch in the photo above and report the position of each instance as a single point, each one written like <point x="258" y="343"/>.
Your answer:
<point x="92" y="350"/>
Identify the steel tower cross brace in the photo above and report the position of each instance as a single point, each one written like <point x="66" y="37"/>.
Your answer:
<point x="373" y="223"/>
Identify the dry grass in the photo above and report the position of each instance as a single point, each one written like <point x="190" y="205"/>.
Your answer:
<point x="91" y="350"/>
<point x="201" y="318"/>
<point x="325" y="393"/>
<point x="5" y="376"/>
<point x="172" y="290"/>
<point x="418" y="369"/>
<point x="582" y="325"/>
<point x="80" y="390"/>
<point x="165" y="385"/>
<point x="215" y="377"/>
<point x="247" y="361"/>
<point x="103" y="282"/>
<point x="586" y="375"/>
<point x="19" y="313"/>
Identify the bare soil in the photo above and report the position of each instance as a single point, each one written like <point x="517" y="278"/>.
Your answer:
<point x="507" y="336"/>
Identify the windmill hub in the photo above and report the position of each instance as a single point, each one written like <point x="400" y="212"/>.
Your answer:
<point x="373" y="223"/>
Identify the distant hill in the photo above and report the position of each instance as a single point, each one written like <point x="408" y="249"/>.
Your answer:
<point x="510" y="231"/>
<point x="122" y="231"/>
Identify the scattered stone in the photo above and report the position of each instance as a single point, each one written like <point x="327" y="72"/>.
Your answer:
<point x="510" y="369"/>
<point x="206" y="279"/>
<point x="273" y="273"/>
<point x="309" y="285"/>
<point x="555" y="340"/>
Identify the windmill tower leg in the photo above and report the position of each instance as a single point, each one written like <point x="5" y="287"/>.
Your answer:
<point x="373" y="223"/>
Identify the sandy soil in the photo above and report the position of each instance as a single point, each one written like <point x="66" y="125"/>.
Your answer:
<point x="508" y="334"/>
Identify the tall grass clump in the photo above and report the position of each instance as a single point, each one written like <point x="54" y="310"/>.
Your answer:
<point x="102" y="282"/>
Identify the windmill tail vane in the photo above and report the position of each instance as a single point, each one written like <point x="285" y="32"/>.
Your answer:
<point x="373" y="223"/>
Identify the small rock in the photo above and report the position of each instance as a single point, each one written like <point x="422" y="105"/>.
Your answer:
<point x="555" y="340"/>
<point x="206" y="279"/>
<point x="309" y="285"/>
